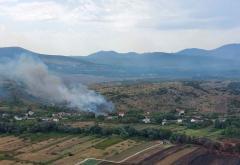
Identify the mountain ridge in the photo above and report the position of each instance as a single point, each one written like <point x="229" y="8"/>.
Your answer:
<point x="223" y="61"/>
<point x="232" y="45"/>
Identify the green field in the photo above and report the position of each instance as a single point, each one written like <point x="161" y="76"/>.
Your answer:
<point x="42" y="136"/>
<point x="91" y="162"/>
<point x="209" y="132"/>
<point x="108" y="142"/>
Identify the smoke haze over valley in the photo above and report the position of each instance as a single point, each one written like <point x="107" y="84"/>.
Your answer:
<point x="35" y="79"/>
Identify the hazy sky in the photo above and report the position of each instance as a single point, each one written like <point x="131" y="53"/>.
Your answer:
<point x="81" y="27"/>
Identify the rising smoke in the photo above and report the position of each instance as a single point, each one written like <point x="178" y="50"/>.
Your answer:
<point x="42" y="84"/>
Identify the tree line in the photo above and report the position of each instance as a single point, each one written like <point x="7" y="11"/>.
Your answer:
<point x="123" y="131"/>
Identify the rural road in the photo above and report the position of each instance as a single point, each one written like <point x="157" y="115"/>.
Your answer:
<point x="79" y="163"/>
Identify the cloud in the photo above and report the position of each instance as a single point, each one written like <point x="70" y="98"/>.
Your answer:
<point x="85" y="26"/>
<point x="2" y="28"/>
<point x="33" y="11"/>
<point x="121" y="13"/>
<point x="158" y="14"/>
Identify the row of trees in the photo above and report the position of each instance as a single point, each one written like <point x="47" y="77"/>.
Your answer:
<point x="46" y="126"/>
<point x="125" y="132"/>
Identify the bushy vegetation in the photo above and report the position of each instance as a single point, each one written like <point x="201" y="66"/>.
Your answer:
<point x="231" y="127"/>
<point x="234" y="87"/>
<point x="158" y="117"/>
<point x="199" y="125"/>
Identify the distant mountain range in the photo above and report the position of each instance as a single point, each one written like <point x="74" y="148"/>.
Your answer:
<point x="223" y="62"/>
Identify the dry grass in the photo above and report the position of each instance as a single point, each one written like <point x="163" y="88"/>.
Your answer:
<point x="13" y="145"/>
<point x="7" y="162"/>
<point x="13" y="162"/>
<point x="132" y="150"/>
<point x="7" y="139"/>
<point x="39" y="145"/>
<point x="117" y="149"/>
<point x="166" y="96"/>
<point x="43" y="155"/>
<point x="81" y="151"/>
<point x="82" y="124"/>
<point x="175" y="156"/>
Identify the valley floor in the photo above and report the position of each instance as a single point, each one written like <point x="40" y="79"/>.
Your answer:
<point x="61" y="149"/>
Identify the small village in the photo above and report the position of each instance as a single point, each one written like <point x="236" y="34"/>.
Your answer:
<point x="178" y="117"/>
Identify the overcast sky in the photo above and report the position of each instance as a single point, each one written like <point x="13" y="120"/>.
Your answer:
<point x="81" y="27"/>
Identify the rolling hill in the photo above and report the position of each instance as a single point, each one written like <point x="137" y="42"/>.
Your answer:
<point x="222" y="62"/>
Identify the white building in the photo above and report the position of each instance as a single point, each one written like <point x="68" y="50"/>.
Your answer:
<point x="179" y="120"/>
<point x="181" y="113"/>
<point x="45" y="119"/>
<point x="30" y="113"/>
<point x="164" y="122"/>
<point x="193" y="121"/>
<point x="18" y="118"/>
<point x="121" y="114"/>
<point x="56" y="120"/>
<point x="109" y="117"/>
<point x="146" y="120"/>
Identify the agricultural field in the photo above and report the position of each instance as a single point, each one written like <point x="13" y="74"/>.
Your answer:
<point x="174" y="155"/>
<point x="69" y="149"/>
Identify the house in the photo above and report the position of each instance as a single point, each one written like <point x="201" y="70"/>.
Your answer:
<point x="109" y="117"/>
<point x="30" y="113"/>
<point x="181" y="113"/>
<point x="18" y="118"/>
<point x="179" y="120"/>
<point x="164" y="122"/>
<point x="121" y="114"/>
<point x="4" y="115"/>
<point x="193" y="120"/>
<point x="61" y="115"/>
<point x="146" y="120"/>
<point x="45" y="119"/>
<point x="55" y="119"/>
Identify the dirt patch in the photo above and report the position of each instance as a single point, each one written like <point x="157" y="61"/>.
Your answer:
<point x="157" y="157"/>
<point x="42" y="155"/>
<point x="116" y="149"/>
<point x="38" y="146"/>
<point x="81" y="124"/>
<point x="7" y="139"/>
<point x="214" y="159"/>
<point x="140" y="157"/>
<point x="209" y="158"/>
<point x="190" y="157"/>
<point x="80" y="152"/>
<point x="177" y="155"/>
<point x="12" y="162"/>
<point x="13" y="145"/>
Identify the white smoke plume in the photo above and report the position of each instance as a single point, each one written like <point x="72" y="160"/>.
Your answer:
<point x="42" y="84"/>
